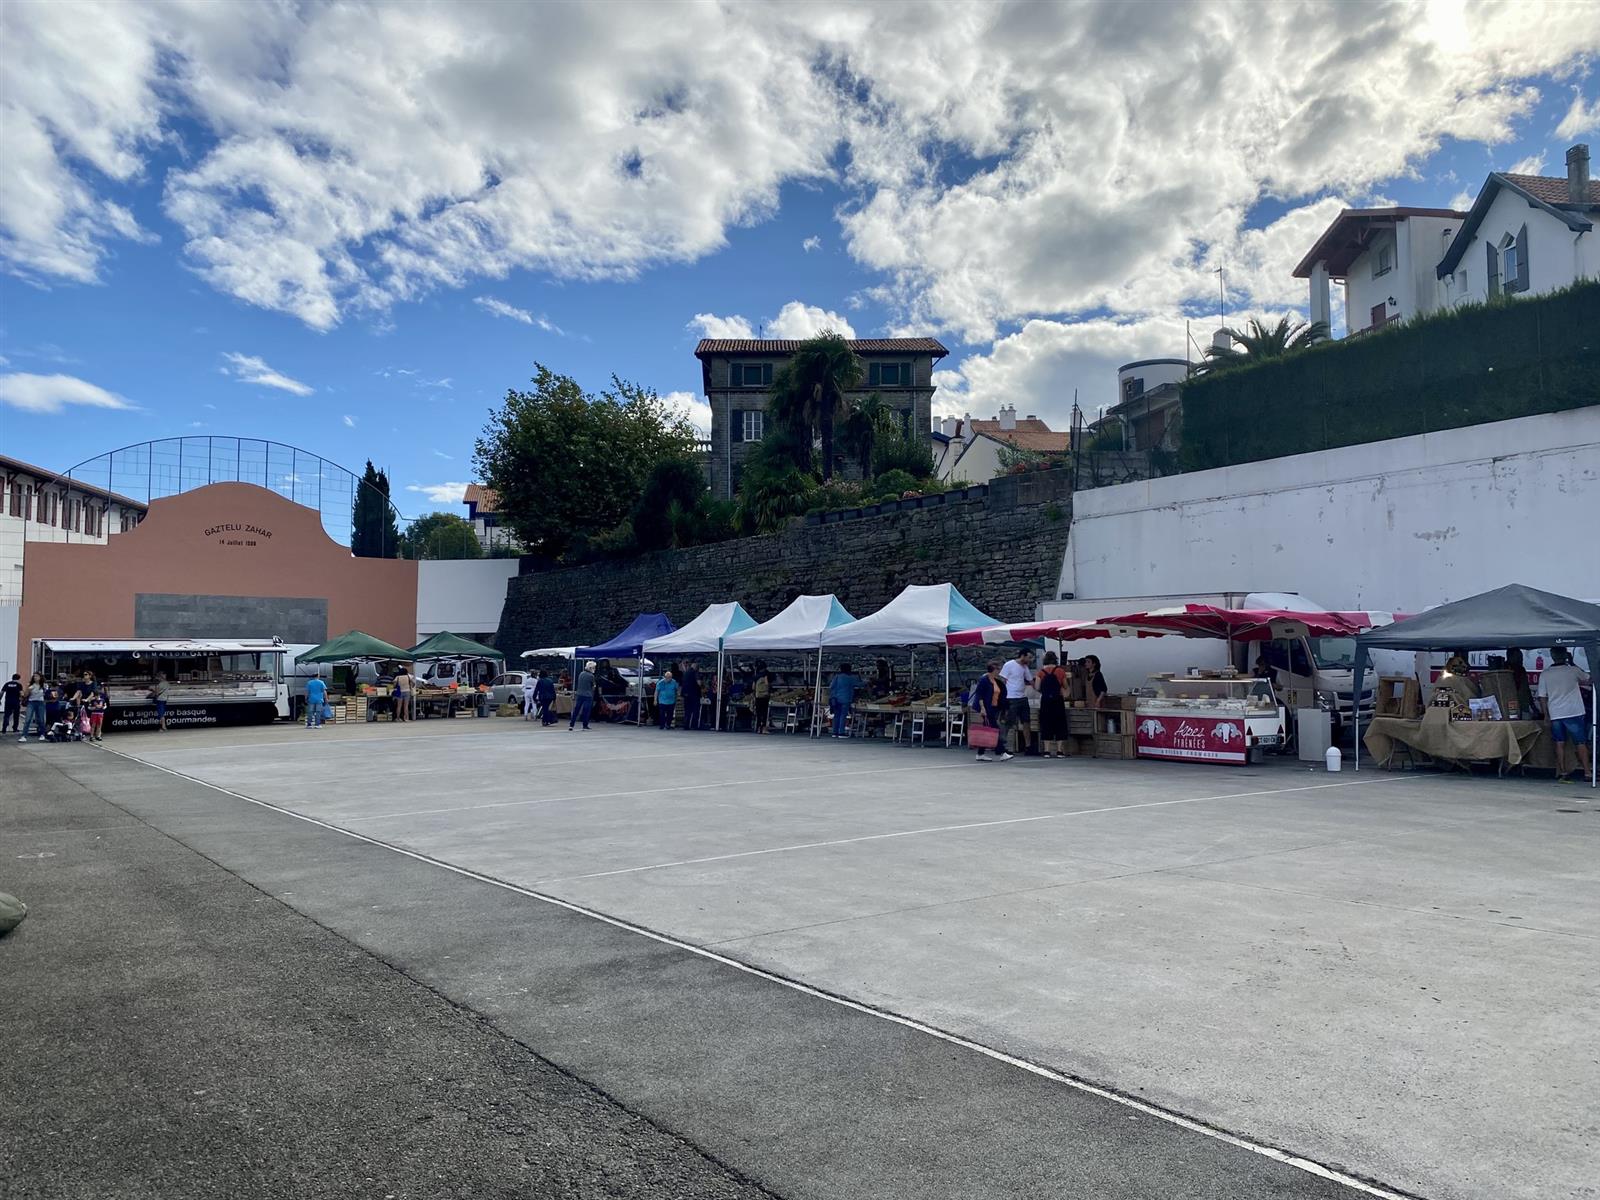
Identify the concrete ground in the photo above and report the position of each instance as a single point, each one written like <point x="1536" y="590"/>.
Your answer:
<point x="1392" y="975"/>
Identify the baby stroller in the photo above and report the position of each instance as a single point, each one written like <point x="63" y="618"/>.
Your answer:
<point x="71" y="726"/>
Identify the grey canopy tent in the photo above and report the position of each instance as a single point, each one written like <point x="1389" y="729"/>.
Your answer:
<point x="1510" y="617"/>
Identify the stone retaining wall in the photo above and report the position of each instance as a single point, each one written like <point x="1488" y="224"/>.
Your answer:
<point x="1003" y="550"/>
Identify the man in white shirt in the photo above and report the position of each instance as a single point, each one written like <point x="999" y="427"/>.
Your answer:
<point x="1017" y="674"/>
<point x="1563" y="707"/>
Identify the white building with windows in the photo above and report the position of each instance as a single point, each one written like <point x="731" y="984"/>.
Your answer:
<point x="36" y="505"/>
<point x="1525" y="234"/>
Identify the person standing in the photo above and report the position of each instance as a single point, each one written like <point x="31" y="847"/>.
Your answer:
<point x="583" y="697"/>
<point x="1519" y="680"/>
<point x="1052" y="682"/>
<point x="1094" y="680"/>
<point x="99" y="701"/>
<point x="544" y="695"/>
<point x="666" y="699"/>
<point x="11" y="691"/>
<point x="33" y="697"/>
<point x="316" y="700"/>
<point x="160" y="689"/>
<point x="691" y="697"/>
<point x="404" y="688"/>
<point x="761" y="697"/>
<point x="530" y="686"/>
<point x="841" y="696"/>
<point x="988" y="701"/>
<point x="1017" y="675"/>
<point x="1559" y="686"/>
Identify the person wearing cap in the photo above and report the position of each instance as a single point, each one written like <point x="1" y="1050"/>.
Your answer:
<point x="583" y="697"/>
<point x="1559" y="692"/>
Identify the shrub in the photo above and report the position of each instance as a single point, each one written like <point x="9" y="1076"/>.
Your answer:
<point x="902" y="452"/>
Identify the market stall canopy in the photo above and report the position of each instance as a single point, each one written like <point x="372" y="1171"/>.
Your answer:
<point x="353" y="645"/>
<point x="1210" y="621"/>
<point x="630" y="642"/>
<point x="551" y="652"/>
<point x="452" y="645"/>
<point x="1499" y="620"/>
<point x="922" y="614"/>
<point x="800" y="626"/>
<point x="1514" y="616"/>
<point x="705" y="634"/>
<point x="164" y="648"/>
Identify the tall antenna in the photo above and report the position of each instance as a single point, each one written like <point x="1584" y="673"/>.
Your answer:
<point x="1222" y="296"/>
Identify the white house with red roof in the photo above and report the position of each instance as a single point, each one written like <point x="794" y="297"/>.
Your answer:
<point x="483" y="512"/>
<point x="970" y="451"/>
<point x="1525" y="234"/>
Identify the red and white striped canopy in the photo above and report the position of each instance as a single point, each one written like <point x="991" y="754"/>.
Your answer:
<point x="1182" y="620"/>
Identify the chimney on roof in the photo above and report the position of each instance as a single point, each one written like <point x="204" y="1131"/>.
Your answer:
<point x="1578" y="174"/>
<point x="950" y="426"/>
<point x="1222" y="340"/>
<point x="1008" y="417"/>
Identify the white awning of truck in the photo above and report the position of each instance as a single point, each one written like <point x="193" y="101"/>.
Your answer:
<point x="176" y="648"/>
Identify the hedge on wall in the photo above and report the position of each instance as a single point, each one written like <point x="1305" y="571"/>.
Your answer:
<point x="1467" y="366"/>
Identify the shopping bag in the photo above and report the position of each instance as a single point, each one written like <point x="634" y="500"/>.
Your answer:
<point x="983" y="737"/>
<point x="327" y="712"/>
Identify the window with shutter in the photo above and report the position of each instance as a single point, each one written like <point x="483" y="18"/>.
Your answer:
<point x="736" y="425"/>
<point x="1522" y="259"/>
<point x="1492" y="267"/>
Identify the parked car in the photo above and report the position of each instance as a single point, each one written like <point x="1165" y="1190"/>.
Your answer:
<point x="507" y="688"/>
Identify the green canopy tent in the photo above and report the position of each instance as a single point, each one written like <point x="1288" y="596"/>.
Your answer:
<point x="353" y="647"/>
<point x="452" y="645"/>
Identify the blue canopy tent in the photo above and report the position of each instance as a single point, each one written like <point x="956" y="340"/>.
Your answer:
<point x="630" y="643"/>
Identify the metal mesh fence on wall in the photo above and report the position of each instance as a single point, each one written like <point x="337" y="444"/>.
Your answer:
<point x="153" y="470"/>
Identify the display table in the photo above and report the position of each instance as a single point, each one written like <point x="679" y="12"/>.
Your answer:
<point x="1512" y="743"/>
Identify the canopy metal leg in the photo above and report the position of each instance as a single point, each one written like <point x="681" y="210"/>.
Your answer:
<point x="947" y="695"/>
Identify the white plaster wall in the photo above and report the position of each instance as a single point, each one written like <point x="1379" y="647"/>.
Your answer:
<point x="10" y="614"/>
<point x="1557" y="255"/>
<point x="1154" y="375"/>
<point x="1396" y="525"/>
<point x="464" y="596"/>
<point x="979" y="464"/>
<point x="1363" y="288"/>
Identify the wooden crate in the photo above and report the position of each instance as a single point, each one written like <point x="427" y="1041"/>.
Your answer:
<point x="1398" y="696"/>
<point x="1080" y="721"/>
<point x="1114" y="745"/>
<point x="1502" y="685"/>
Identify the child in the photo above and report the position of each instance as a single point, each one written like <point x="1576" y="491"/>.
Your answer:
<point x="97" y="715"/>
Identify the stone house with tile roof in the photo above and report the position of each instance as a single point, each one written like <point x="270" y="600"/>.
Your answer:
<point x="972" y="449"/>
<point x="736" y="375"/>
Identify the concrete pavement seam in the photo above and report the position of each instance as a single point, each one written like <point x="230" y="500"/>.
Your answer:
<point x="1356" y="1183"/>
<point x="469" y="1013"/>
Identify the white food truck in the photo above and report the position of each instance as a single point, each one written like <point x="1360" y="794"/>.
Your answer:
<point x="211" y="681"/>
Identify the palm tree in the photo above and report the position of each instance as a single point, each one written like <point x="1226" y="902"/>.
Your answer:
<point x="1259" y="342"/>
<point x="870" y="421"/>
<point x="808" y="391"/>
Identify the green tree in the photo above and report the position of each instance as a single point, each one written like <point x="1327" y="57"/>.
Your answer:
<point x="373" y="531"/>
<point x="898" y="451"/>
<point x="808" y="391"/>
<point x="441" y="535"/>
<point x="868" y="422"/>
<point x="1259" y="342"/>
<point x="570" y="464"/>
<point x="674" y="484"/>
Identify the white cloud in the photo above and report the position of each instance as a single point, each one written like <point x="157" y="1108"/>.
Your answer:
<point x="549" y="326"/>
<point x="440" y="493"/>
<point x="794" y="320"/>
<point x="797" y="320"/>
<point x="248" y="368"/>
<point x="1118" y="158"/>
<point x="52" y="393"/>
<point x="349" y="421"/>
<point x="442" y="454"/>
<point x="693" y="408"/>
<point x="1583" y="117"/>
<point x="708" y="325"/>
<point x="1533" y="164"/>
<point x="811" y="243"/>
<point x="501" y="309"/>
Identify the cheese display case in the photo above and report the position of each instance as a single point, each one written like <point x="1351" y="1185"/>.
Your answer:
<point x="1208" y="718"/>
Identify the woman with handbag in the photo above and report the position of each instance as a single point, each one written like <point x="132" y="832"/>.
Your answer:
<point x="988" y="697"/>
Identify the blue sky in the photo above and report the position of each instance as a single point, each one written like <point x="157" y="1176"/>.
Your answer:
<point x="233" y="231"/>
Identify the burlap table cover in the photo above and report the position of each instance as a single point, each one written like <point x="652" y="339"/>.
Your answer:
<point x="1439" y="737"/>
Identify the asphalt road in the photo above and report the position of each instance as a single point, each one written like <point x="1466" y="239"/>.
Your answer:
<point x="216" y="998"/>
<point x="171" y="1031"/>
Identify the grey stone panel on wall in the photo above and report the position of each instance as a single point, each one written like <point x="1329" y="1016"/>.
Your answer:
<point x="292" y="618"/>
<point x="1002" y="551"/>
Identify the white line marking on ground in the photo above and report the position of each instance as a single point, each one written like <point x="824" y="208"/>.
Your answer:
<point x="874" y="837"/>
<point x="688" y="787"/>
<point x="1307" y="1165"/>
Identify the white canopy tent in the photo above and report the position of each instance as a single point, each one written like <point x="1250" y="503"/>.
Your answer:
<point x="924" y="614"/>
<point x="704" y="634"/>
<point x="800" y="626"/>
